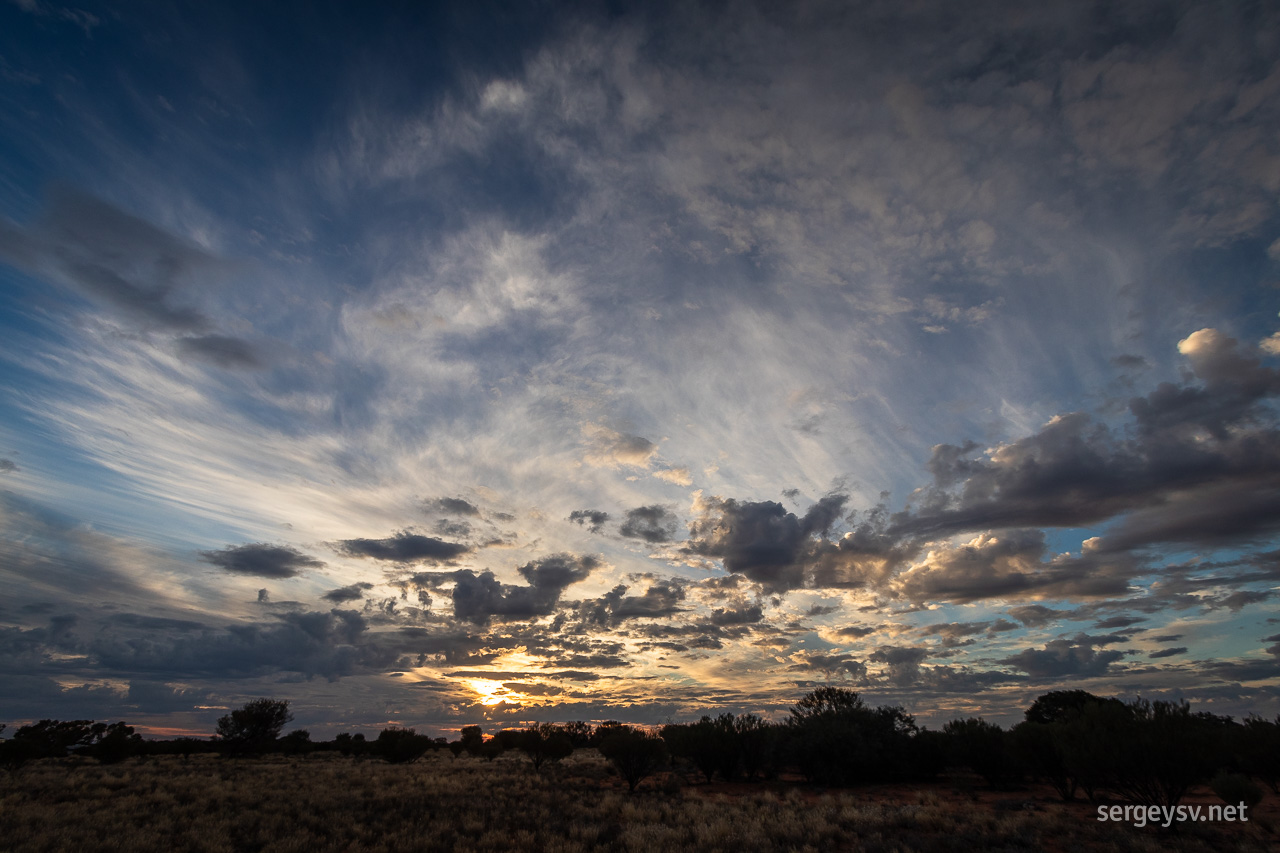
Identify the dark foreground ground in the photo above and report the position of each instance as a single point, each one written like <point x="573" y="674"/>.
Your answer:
<point x="326" y="802"/>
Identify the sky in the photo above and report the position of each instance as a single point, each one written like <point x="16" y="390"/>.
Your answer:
<point x="484" y="363"/>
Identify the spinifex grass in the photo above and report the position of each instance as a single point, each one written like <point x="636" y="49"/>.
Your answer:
<point x="326" y="802"/>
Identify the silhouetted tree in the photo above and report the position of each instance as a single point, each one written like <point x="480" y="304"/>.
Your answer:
<point x="255" y="727"/>
<point x="635" y="753"/>
<point x="837" y="740"/>
<point x="472" y="739"/>
<point x="401" y="746"/>
<point x="982" y="747"/>
<point x="115" y="743"/>
<point x="1058" y="706"/>
<point x="545" y="742"/>
<point x="1148" y="752"/>
<point x="580" y="733"/>
<point x="1037" y="751"/>
<point x="54" y="738"/>
<point x="1255" y="744"/>
<point x="296" y="742"/>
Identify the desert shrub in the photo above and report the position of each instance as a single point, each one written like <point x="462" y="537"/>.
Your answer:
<point x="836" y="739"/>
<point x="710" y="745"/>
<point x="296" y="742"/>
<point x="508" y="739"/>
<point x="633" y="752"/>
<point x="253" y="729"/>
<point x="545" y="742"/>
<point x="1234" y="788"/>
<point x="400" y="746"/>
<point x="1038" y="753"/>
<point x="1255" y="746"/>
<point x="984" y="748"/>
<point x="1058" y="706"/>
<point x="1147" y="752"/>
<point x="116" y="743"/>
<point x="472" y="739"/>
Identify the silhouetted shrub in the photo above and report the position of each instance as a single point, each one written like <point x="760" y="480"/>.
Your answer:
<point x="115" y="743"/>
<point x="508" y="739"/>
<point x="400" y="746"/>
<point x="982" y="747"/>
<point x="1147" y="752"/>
<point x="1255" y="746"/>
<point x="1233" y="788"/>
<point x="254" y="728"/>
<point x="1037" y="751"/>
<point x="1058" y="706"/>
<point x="836" y="739"/>
<point x="545" y="742"/>
<point x="635" y="753"/>
<point x="580" y="733"/>
<point x="472" y="739"/>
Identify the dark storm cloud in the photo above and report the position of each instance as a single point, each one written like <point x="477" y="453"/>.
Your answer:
<point x="154" y="623"/>
<point x="113" y="257"/>
<point x="1201" y="466"/>
<point x="221" y="350"/>
<point x="1063" y="659"/>
<point x="902" y="663"/>
<point x="452" y="506"/>
<point x="615" y="606"/>
<point x="352" y="592"/>
<point x="830" y="664"/>
<point x="1036" y="615"/>
<point x="592" y="519"/>
<point x="330" y="644"/>
<point x="1168" y="653"/>
<point x="650" y="523"/>
<point x="261" y="559"/>
<point x="744" y="614"/>
<point x="780" y="550"/>
<point x="1119" y="622"/>
<point x="404" y="547"/>
<point x="478" y="598"/>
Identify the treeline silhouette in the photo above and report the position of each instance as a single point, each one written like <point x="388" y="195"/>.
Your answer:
<point x="1083" y="745"/>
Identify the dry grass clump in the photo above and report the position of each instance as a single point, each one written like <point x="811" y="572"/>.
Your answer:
<point x="326" y="802"/>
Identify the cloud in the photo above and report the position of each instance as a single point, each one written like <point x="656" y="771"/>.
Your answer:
<point x="222" y="351"/>
<point x="1063" y="659"/>
<point x="659" y="600"/>
<point x="478" y="598"/>
<point x="1036" y="615"/>
<point x="1168" y="653"/>
<point x="593" y="519"/>
<point x="1012" y="565"/>
<point x="675" y="476"/>
<point x="651" y="523"/>
<point x="771" y="546"/>
<point x="352" y="592"/>
<point x="7" y="466"/>
<point x="452" y="506"/>
<point x="744" y="614"/>
<point x="610" y="449"/>
<point x="113" y="257"/>
<point x="404" y="547"/>
<point x="331" y="644"/>
<point x="262" y="560"/>
<point x="831" y="664"/>
<point x="1203" y="466"/>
